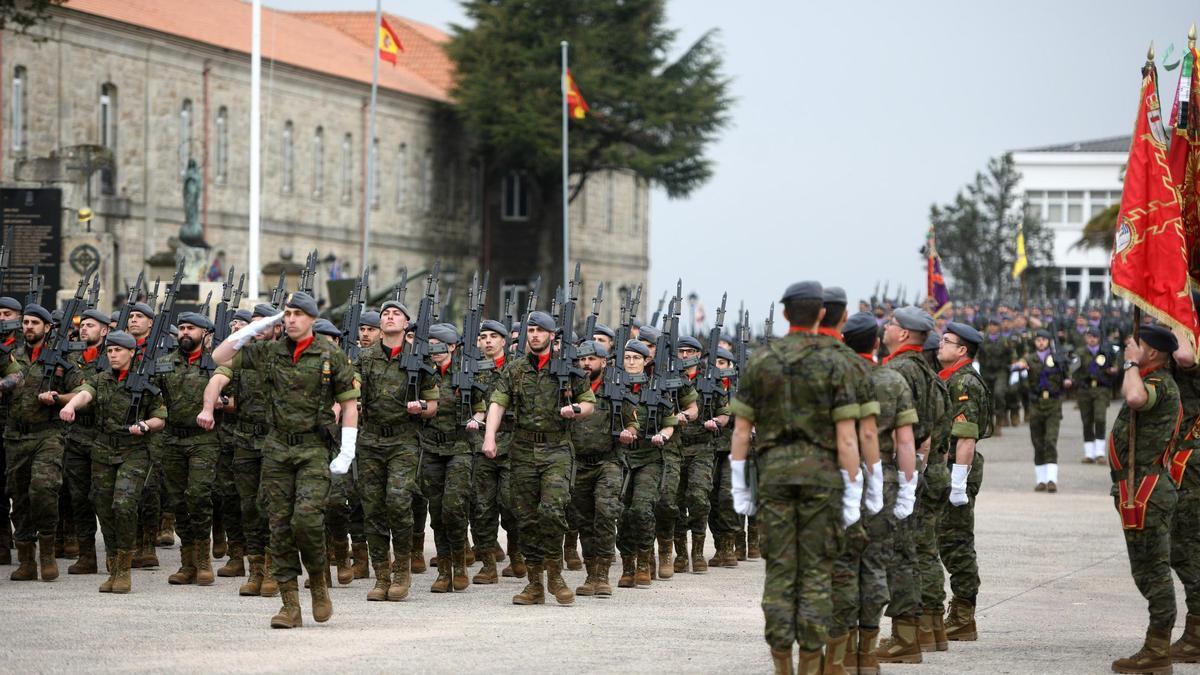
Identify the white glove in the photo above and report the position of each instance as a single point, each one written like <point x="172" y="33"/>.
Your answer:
<point x="743" y="502"/>
<point x="958" y="484"/>
<point x="906" y="497"/>
<point x="851" y="498"/>
<point x="1014" y="377"/>
<point x="874" y="500"/>
<point x="341" y="464"/>
<point x="246" y="333"/>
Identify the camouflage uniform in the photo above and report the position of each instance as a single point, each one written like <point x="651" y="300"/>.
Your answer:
<point x="446" y="470"/>
<point x="642" y="486"/>
<point x="227" y="505"/>
<point x="795" y="392"/>
<point x="252" y="398"/>
<point x="596" y="499"/>
<point x="1185" y="528"/>
<point x="666" y="511"/>
<point x="77" y="457"/>
<point x="995" y="364"/>
<point x="540" y="454"/>
<point x="493" y="477"/>
<point x="971" y="412"/>
<point x="696" y="446"/>
<point x="301" y="391"/>
<point x="1045" y="382"/>
<point x="1093" y="388"/>
<point x="389" y="452"/>
<point x="6" y="540"/>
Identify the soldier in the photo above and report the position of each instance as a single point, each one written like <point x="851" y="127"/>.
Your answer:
<point x="389" y="463"/>
<point x="995" y="364"/>
<point x="119" y="453"/>
<point x="34" y="446"/>
<point x="228" y="503"/>
<point x="368" y="329"/>
<point x="304" y="379"/>
<point x="150" y="511"/>
<point x="1185" y="526"/>
<point x="1045" y="372"/>
<point x="10" y="333"/>
<point x="605" y="336"/>
<point x="722" y="519"/>
<point x="801" y="400"/>
<point x="1147" y="505"/>
<point x="540" y="454"/>
<point x="1095" y="374"/>
<point x="972" y="415"/>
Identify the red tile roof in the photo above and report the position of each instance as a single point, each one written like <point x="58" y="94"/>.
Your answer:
<point x="296" y="39"/>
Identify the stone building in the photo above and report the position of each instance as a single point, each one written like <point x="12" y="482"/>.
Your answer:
<point x="156" y="83"/>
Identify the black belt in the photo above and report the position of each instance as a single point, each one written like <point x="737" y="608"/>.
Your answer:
<point x="256" y="429"/>
<point x="34" y="428"/>
<point x="382" y="430"/>
<point x="126" y="439"/>
<point x="298" y="438"/>
<point x="86" y="420"/>
<point x="185" y="432"/>
<point x="597" y="457"/>
<point x="540" y="436"/>
<point x="435" y="436"/>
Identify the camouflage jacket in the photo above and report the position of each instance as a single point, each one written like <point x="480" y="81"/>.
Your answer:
<point x="1188" y="438"/>
<point x="182" y="382"/>
<point x="83" y="429"/>
<point x="895" y="410"/>
<point x="591" y="437"/>
<point x="1096" y="370"/>
<point x="250" y="396"/>
<point x="385" y="396"/>
<point x="1157" y="424"/>
<point x="642" y="451"/>
<point x="444" y="434"/>
<point x="488" y="379"/>
<point x="930" y="398"/>
<point x="1045" y="376"/>
<point x="995" y="356"/>
<point x="970" y="404"/>
<point x="111" y="400"/>
<point x="795" y="392"/>
<point x="27" y="415"/>
<point x="693" y="437"/>
<point x="526" y="387"/>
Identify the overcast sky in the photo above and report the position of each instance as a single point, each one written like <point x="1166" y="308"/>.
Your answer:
<point x="851" y="118"/>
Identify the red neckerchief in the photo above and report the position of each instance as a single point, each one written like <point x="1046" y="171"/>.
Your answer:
<point x="194" y="357"/>
<point x="596" y="384"/>
<point x="901" y="350"/>
<point x="539" y="361"/>
<point x="442" y="369"/>
<point x="141" y="342"/>
<point x="725" y="383"/>
<point x="90" y="354"/>
<point x="869" y="357"/>
<point x="122" y="374"/>
<point x="300" y="347"/>
<point x="945" y="373"/>
<point x="799" y="329"/>
<point x="692" y="377"/>
<point x="637" y="388"/>
<point x="1146" y="371"/>
<point x="831" y="332"/>
<point x="10" y="341"/>
<point x="393" y="352"/>
<point x="499" y="361"/>
<point x="35" y="352"/>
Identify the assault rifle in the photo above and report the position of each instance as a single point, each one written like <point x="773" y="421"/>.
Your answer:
<point x="616" y="380"/>
<point x="562" y="364"/>
<point x="237" y="296"/>
<point x="658" y="312"/>
<point x="279" y="293"/>
<point x="140" y="381"/>
<point x="353" y="315"/>
<point x="555" y="303"/>
<point x="152" y="296"/>
<point x="206" y="307"/>
<point x="530" y="306"/>
<point x="589" y="326"/>
<point x="54" y="356"/>
<point x="768" y="328"/>
<point x="415" y="359"/>
<point x="470" y="359"/>
<point x="220" y="321"/>
<point x="401" y="288"/>
<point x="668" y="363"/>
<point x="93" y="297"/>
<point x="508" y="316"/>
<point x="709" y="386"/>
<point x="130" y="298"/>
<point x="308" y="275"/>
<point x="37" y="284"/>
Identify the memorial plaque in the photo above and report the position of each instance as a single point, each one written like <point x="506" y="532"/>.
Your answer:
<point x="34" y="217"/>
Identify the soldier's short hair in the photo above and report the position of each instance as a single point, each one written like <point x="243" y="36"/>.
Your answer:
<point x="802" y="311"/>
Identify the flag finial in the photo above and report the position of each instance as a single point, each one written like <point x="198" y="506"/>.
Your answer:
<point x="1150" y="54"/>
<point x="1192" y="37"/>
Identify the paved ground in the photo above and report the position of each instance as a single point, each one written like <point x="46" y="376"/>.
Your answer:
<point x="1056" y="598"/>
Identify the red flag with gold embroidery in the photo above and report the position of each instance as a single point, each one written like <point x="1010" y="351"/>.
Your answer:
<point x="577" y="108"/>
<point x="1150" y="258"/>
<point x="389" y="43"/>
<point x="1183" y="156"/>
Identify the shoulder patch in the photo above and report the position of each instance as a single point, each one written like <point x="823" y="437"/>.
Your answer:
<point x="961" y="418"/>
<point x="964" y="397"/>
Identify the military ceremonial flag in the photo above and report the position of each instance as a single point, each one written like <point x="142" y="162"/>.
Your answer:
<point x="1021" y="262"/>
<point x="389" y="43"/>
<point x="1183" y="155"/>
<point x="1150" y="259"/>
<point x="935" y="288"/>
<point x="575" y="103"/>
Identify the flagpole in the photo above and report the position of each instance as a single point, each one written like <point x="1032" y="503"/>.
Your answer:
<point x="371" y="158"/>
<point x="255" y="145"/>
<point x="566" y="226"/>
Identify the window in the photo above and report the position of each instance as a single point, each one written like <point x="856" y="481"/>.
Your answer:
<point x="427" y="181"/>
<point x="375" y="173"/>
<point x="401" y="175"/>
<point x="1033" y="204"/>
<point x="608" y="202"/>
<point x="318" y="165"/>
<point x="514" y="203"/>
<point x="637" y="204"/>
<point x="222" y="145"/>
<point x="287" y="155"/>
<point x="108" y="135"/>
<point x="19" y="85"/>
<point x="185" y="135"/>
<point x="347" y="167"/>
<point x="1054" y="207"/>
<point x="1074" y="207"/>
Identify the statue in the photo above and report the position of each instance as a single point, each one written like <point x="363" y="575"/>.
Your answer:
<point x="191" y="234"/>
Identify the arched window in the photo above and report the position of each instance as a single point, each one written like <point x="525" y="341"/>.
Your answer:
<point x="20" y="83"/>
<point x="318" y="165"/>
<point x="287" y="154"/>
<point x="222" y="124"/>
<point x="108" y="135"/>
<point x="185" y="134"/>
<point x="402" y="175"/>
<point x="347" y="167"/>
<point x="514" y="202"/>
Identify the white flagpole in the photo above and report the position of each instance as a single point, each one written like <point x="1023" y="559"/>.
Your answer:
<point x="371" y="158"/>
<point x="254" y="266"/>
<point x="566" y="226"/>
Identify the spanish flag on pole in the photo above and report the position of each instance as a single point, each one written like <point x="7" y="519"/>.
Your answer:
<point x="389" y="43"/>
<point x="576" y="106"/>
<point x="1022" y="262"/>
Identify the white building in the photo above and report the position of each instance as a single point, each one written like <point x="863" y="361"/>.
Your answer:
<point x="1065" y="185"/>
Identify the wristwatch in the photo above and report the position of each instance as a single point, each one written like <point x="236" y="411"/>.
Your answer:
<point x="1130" y="364"/>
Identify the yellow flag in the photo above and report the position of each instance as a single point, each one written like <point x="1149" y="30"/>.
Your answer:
<point x="1022" y="262"/>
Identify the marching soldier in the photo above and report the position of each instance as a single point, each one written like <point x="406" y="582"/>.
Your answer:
<point x="1045" y="372"/>
<point x="995" y="363"/>
<point x="228" y="505"/>
<point x="1095" y="375"/>
<point x="368" y="329"/>
<point x="1185" y="527"/>
<point x="78" y="439"/>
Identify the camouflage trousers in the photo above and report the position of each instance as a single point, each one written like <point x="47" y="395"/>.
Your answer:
<point x="1149" y="552"/>
<point x="247" y="474"/>
<point x="6" y="538"/>
<point x="860" y="572"/>
<point x="643" y="486"/>
<point x="541" y="489"/>
<point x="492" y="490"/>
<point x="801" y="538"/>
<point x="1093" y="409"/>
<point x="446" y="483"/>
<point x="150" y="509"/>
<point x="596" y="505"/>
<point x="695" y="486"/>
<point x="1185" y="545"/>
<point x="387" y="477"/>
<point x="34" y="475"/>
<point x="420" y="510"/>
<point x="189" y="469"/>
<point x="933" y="496"/>
<point x="116" y="491"/>
<point x="956" y="541"/>
<point x="77" y="481"/>
<point x="225" y="495"/>
<point x="722" y="519"/>
<point x="666" y="511"/>
<point x="295" y="484"/>
<point x="1045" y="416"/>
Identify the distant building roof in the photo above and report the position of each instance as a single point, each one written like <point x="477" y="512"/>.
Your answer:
<point x="1111" y="144"/>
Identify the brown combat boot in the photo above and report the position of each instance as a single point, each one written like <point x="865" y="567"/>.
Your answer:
<point x="533" y="594"/>
<point x="87" y="558"/>
<point x="1000" y="423"/>
<point x="588" y="587"/>
<point x="122" y="581"/>
<point x="782" y="660"/>
<point x="187" y="567"/>
<point x="753" y="549"/>
<point x="253" y="585"/>
<point x="383" y="579"/>
<point x="835" y="655"/>
<point x="362" y="561"/>
<point x="468" y="556"/>
<point x="442" y="583"/>
<point x="904" y="646"/>
<point x="458" y="562"/>
<point x="666" y="567"/>
<point x="289" y="615"/>
<point x="46" y="561"/>
<point x="166" y="530"/>
<point x="603" y="588"/>
<point x="925" y="631"/>
<point x="341" y="557"/>
<point x="557" y="585"/>
<point x="204" y="570"/>
<point x="322" y="606"/>
<point x="628" y="572"/>
<point x="850" y="661"/>
<point x="699" y="566"/>
<point x="401" y="579"/>
<point x="110" y="560"/>
<point x="809" y="663"/>
<point x="488" y="573"/>
<point x="220" y="545"/>
<point x="729" y="557"/>
<point x="1014" y="418"/>
<point x="148" y="557"/>
<point x="571" y="550"/>
<point x="1187" y="648"/>
<point x="499" y="553"/>
<point x="716" y="559"/>
<point x="70" y="542"/>
<point x="418" y="565"/>
<point x="867" y="662"/>
<point x="681" y="554"/>
<point x="960" y="621"/>
<point x="270" y="587"/>
<point x="516" y="567"/>
<point x="26" y="567"/>
<point x="1153" y="657"/>
<point x="236" y="565"/>
<point x="644" y="563"/>
<point x="940" y="642"/>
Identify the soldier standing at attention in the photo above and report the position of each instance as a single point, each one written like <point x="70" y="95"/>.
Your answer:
<point x="801" y="400"/>
<point x="1095" y="374"/>
<point x="1185" y="527"/>
<point x="1047" y="379"/>
<point x="120" y="454"/>
<point x="78" y="439"/>
<point x="304" y="379"/>
<point x="540" y="454"/>
<point x="1147" y="506"/>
